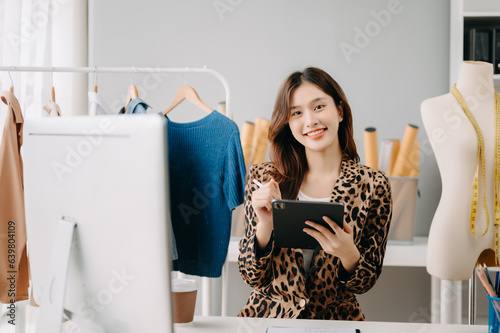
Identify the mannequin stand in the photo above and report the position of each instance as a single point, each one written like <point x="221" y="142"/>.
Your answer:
<point x="472" y="299"/>
<point x="451" y="302"/>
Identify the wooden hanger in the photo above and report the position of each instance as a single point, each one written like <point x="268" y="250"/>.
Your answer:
<point x="187" y="92"/>
<point x="131" y="94"/>
<point x="95" y="80"/>
<point x="11" y="84"/>
<point x="53" y="90"/>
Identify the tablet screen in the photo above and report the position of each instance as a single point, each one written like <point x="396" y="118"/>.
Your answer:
<point x="289" y="217"/>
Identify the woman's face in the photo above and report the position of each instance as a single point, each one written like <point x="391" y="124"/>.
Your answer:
<point x="314" y="118"/>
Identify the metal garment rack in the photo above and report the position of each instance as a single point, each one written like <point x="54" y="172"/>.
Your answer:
<point x="127" y="70"/>
<point x="206" y="290"/>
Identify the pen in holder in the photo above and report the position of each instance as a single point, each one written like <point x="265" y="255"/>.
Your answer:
<point x="491" y="288"/>
<point x="493" y="314"/>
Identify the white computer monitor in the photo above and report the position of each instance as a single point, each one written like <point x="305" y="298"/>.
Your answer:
<point x="109" y="175"/>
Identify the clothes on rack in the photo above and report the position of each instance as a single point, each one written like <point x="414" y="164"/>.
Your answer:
<point x="97" y="106"/>
<point x="136" y="106"/>
<point x="207" y="172"/>
<point x="52" y="109"/>
<point x="14" y="269"/>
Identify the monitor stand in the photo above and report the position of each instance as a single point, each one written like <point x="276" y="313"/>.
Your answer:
<point x="52" y="302"/>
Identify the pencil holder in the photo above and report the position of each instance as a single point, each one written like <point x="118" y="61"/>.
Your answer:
<point x="493" y="314"/>
<point x="404" y="199"/>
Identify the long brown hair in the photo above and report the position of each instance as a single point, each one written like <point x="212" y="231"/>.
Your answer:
<point x="288" y="154"/>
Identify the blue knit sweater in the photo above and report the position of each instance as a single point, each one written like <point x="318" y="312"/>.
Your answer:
<point x="207" y="172"/>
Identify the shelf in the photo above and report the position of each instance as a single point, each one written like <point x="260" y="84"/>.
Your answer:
<point x="407" y="255"/>
<point x="481" y="14"/>
<point x="397" y="255"/>
<point x="468" y="10"/>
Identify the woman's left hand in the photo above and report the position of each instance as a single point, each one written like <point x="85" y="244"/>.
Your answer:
<point x="339" y="244"/>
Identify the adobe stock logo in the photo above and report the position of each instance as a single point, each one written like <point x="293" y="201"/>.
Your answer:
<point x="372" y="29"/>
<point x="223" y="6"/>
<point x="116" y="285"/>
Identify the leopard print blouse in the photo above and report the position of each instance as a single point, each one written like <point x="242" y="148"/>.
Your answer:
<point x="281" y="288"/>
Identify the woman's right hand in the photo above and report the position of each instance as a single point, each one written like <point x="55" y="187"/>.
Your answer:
<point x="262" y="205"/>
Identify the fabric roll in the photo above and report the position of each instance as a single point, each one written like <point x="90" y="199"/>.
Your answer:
<point x="403" y="165"/>
<point x="371" y="151"/>
<point x="414" y="173"/>
<point x="247" y="132"/>
<point x="14" y="267"/>
<point x="260" y="140"/>
<point x="393" y="156"/>
<point x="415" y="159"/>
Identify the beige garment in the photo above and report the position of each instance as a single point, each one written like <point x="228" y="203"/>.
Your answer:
<point x="52" y="109"/>
<point x="14" y="270"/>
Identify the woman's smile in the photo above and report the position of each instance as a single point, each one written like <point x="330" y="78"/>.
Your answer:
<point x="316" y="134"/>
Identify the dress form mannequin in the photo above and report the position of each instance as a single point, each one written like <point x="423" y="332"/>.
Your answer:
<point x="453" y="249"/>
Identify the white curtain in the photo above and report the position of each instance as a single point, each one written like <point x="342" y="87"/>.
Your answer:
<point x="44" y="33"/>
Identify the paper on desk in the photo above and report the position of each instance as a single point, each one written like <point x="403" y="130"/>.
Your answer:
<point x="310" y="330"/>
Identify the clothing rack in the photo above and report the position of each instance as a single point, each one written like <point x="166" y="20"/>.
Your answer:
<point x="129" y="70"/>
<point x="206" y="286"/>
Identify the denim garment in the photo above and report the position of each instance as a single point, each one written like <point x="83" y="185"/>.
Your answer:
<point x="136" y="106"/>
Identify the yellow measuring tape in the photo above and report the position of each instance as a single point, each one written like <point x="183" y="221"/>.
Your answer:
<point x="482" y="162"/>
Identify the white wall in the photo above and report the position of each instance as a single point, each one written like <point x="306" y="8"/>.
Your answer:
<point x="256" y="44"/>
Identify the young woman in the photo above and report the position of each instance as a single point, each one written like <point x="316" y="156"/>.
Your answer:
<point x="314" y="158"/>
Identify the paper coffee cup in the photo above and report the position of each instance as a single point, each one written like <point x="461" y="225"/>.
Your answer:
<point x="184" y="299"/>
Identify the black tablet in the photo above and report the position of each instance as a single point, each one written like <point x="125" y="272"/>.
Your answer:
<point x="289" y="217"/>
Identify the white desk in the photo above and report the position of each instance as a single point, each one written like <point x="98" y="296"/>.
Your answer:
<point x="259" y="325"/>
